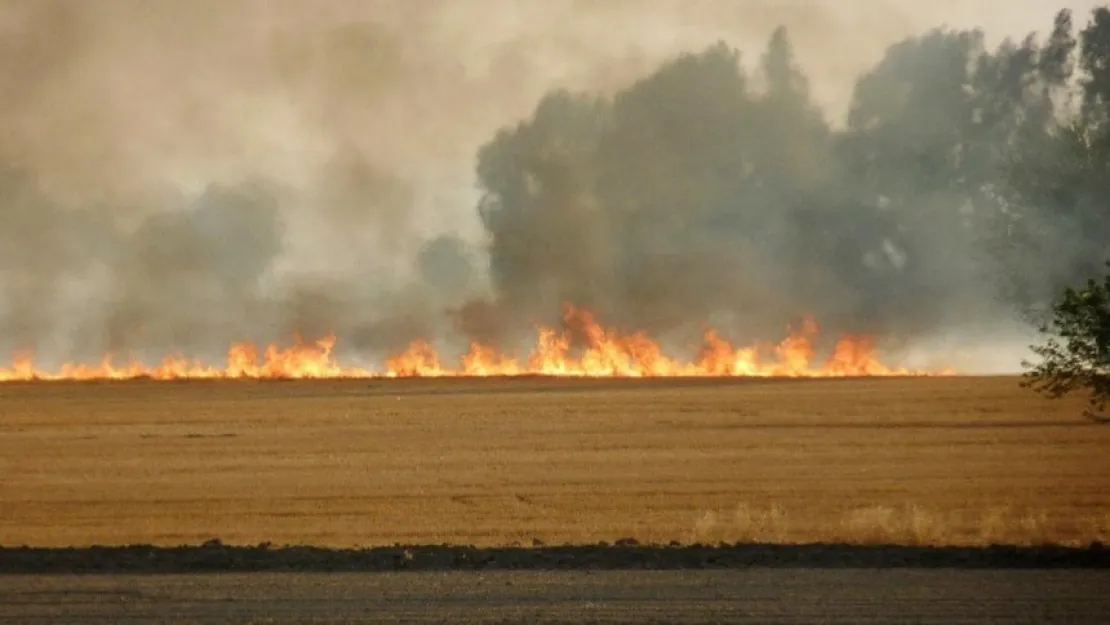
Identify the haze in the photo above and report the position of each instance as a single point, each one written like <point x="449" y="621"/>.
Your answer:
<point x="180" y="175"/>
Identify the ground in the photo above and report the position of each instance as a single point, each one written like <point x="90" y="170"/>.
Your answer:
<point x="960" y="460"/>
<point x="852" y="597"/>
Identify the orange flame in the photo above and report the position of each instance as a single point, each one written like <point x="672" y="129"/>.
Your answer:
<point x="606" y="353"/>
<point x="299" y="361"/>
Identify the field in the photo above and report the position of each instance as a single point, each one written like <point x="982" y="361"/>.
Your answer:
<point x="529" y="460"/>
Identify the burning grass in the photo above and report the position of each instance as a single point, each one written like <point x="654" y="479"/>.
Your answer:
<point x="583" y="347"/>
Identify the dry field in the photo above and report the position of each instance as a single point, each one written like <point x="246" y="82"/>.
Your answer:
<point x="495" y="461"/>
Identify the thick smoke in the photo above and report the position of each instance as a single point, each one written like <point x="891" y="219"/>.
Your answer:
<point x="177" y="175"/>
<point x="694" y="195"/>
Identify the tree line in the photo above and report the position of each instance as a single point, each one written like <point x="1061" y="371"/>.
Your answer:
<point x="958" y="169"/>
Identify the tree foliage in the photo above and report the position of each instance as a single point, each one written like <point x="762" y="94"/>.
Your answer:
<point x="1051" y="223"/>
<point x="1053" y="229"/>
<point x="1076" y="355"/>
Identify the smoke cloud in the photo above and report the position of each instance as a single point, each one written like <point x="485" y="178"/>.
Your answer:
<point x="178" y="175"/>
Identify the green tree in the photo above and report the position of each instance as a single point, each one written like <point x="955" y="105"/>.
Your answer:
<point x="1076" y="355"/>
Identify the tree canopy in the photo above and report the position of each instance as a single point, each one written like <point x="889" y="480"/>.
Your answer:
<point x="705" y="187"/>
<point x="1076" y="356"/>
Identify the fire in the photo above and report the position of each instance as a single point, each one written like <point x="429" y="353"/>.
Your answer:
<point x="244" y="361"/>
<point x="604" y="353"/>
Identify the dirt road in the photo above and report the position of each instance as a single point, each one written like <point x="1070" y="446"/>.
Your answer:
<point x="754" y="596"/>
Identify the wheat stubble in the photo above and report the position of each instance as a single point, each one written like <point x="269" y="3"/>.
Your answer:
<point x="497" y="461"/>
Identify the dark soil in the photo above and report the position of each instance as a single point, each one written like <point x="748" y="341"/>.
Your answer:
<point x="214" y="556"/>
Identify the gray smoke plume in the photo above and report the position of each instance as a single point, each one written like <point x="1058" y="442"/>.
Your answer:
<point x="693" y="196"/>
<point x="178" y="175"/>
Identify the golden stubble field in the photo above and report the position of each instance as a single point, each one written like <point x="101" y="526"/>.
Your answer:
<point x="498" y="461"/>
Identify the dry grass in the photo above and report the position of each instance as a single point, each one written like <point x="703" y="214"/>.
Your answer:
<point x="905" y="525"/>
<point x="919" y="461"/>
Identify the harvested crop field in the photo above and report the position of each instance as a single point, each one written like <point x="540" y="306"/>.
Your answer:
<point x="533" y="460"/>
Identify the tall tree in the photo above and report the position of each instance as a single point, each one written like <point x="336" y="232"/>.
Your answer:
<point x="1094" y="60"/>
<point x="1052" y="226"/>
<point x="537" y="180"/>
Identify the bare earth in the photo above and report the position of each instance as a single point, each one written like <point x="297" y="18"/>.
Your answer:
<point x="737" y="596"/>
<point x="498" y="461"/>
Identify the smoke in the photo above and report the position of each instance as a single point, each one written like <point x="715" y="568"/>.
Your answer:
<point x="178" y="175"/>
<point x="692" y="196"/>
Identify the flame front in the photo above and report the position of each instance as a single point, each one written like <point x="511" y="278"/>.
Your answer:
<point x="606" y="353"/>
<point x="302" y="360"/>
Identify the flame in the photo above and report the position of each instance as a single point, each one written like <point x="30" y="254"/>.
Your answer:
<point x="301" y="360"/>
<point x="605" y="353"/>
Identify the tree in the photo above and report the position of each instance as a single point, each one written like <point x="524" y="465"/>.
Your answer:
<point x="1056" y="224"/>
<point x="1050" y="226"/>
<point x="1094" y="59"/>
<point x="924" y="131"/>
<point x="1077" y="353"/>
